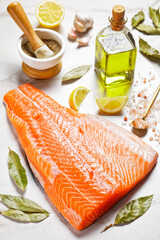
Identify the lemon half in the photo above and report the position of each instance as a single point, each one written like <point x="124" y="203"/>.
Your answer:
<point x="77" y="96"/>
<point x="111" y="104"/>
<point x="50" y="13"/>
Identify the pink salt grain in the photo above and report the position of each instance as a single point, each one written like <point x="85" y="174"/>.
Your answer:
<point x="151" y="139"/>
<point x="125" y="119"/>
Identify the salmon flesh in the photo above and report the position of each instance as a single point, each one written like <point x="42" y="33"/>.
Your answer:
<point x="84" y="163"/>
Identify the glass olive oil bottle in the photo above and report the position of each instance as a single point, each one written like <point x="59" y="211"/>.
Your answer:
<point x="115" y="53"/>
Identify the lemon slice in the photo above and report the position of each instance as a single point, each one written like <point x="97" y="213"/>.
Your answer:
<point x="111" y="104"/>
<point x="77" y="96"/>
<point x="50" y="13"/>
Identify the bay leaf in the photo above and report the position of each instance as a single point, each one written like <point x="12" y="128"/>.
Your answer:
<point x="137" y="18"/>
<point x="155" y="16"/>
<point x="148" y="29"/>
<point x="21" y="203"/>
<point x="24" y="217"/>
<point x="16" y="170"/>
<point x="148" y="50"/>
<point x="76" y="73"/>
<point x="131" y="211"/>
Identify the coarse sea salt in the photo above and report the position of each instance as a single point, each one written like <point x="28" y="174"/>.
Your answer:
<point x="138" y="102"/>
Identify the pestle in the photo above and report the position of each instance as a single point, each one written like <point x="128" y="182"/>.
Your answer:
<point x="18" y="14"/>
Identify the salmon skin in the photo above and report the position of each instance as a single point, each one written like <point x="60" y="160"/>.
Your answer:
<point x="84" y="163"/>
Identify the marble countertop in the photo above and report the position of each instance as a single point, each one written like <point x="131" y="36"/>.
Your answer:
<point x="11" y="76"/>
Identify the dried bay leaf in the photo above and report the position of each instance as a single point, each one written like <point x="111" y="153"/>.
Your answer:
<point x="137" y="18"/>
<point x="148" y="29"/>
<point x="148" y="50"/>
<point x="76" y="73"/>
<point x="21" y="203"/>
<point x="16" y="170"/>
<point x="131" y="211"/>
<point x="155" y="16"/>
<point x="25" y="217"/>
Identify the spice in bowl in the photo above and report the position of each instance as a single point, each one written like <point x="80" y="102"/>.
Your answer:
<point x="52" y="44"/>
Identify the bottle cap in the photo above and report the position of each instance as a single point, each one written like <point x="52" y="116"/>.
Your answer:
<point x="118" y="12"/>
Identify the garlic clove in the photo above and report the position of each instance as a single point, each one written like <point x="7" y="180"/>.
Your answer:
<point x="82" y="22"/>
<point x="71" y="34"/>
<point x="79" y="26"/>
<point x="83" y="41"/>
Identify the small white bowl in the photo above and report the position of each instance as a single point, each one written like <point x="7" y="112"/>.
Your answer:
<point x="42" y="64"/>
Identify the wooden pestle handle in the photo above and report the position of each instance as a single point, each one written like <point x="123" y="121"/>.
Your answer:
<point x="18" y="14"/>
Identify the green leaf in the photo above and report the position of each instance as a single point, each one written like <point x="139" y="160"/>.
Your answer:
<point x="137" y="18"/>
<point x="76" y="73"/>
<point x="155" y="16"/>
<point x="148" y="29"/>
<point x="21" y="203"/>
<point x="24" y="217"/>
<point x="131" y="211"/>
<point x="16" y="170"/>
<point x="148" y="50"/>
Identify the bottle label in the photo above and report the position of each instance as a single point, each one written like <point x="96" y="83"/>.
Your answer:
<point x="115" y="43"/>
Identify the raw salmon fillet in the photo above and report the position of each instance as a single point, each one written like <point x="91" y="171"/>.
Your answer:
<point x="85" y="163"/>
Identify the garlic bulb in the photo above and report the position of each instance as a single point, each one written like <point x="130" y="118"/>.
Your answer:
<point x="82" y="22"/>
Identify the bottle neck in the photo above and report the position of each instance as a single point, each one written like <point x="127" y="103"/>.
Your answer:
<point x="117" y="25"/>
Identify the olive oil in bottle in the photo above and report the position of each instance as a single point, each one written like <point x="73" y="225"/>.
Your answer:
<point x="115" y="53"/>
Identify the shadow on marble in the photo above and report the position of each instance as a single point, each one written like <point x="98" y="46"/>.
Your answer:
<point x="69" y="81"/>
<point x="57" y="29"/>
<point x="101" y="113"/>
<point x="153" y="59"/>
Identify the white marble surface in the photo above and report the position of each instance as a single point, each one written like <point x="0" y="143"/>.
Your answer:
<point x="11" y="75"/>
